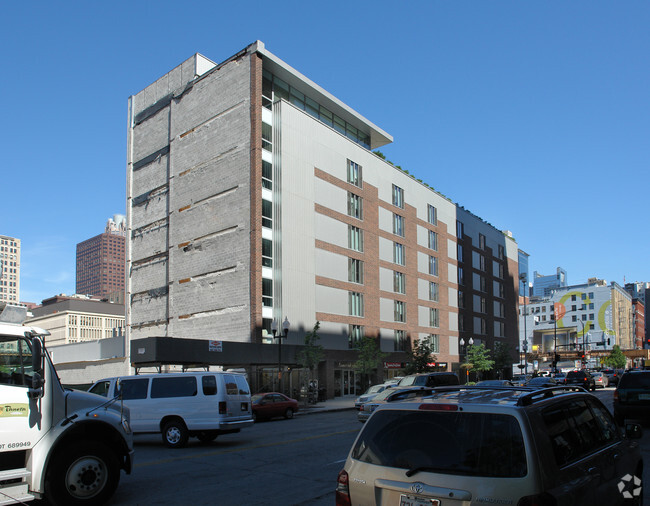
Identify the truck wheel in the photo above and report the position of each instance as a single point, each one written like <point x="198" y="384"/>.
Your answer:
<point x="174" y="434"/>
<point x="85" y="473"/>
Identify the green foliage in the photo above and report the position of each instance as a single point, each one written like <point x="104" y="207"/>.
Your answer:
<point x="380" y="154"/>
<point x="419" y="357"/>
<point x="616" y="359"/>
<point x="478" y="358"/>
<point x="312" y="353"/>
<point x="370" y="357"/>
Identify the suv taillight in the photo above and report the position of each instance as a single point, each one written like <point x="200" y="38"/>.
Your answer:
<point x="342" y="489"/>
<point x="223" y="408"/>
<point x="537" y="500"/>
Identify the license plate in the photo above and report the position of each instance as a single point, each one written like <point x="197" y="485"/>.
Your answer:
<point x="644" y="397"/>
<point x="411" y="500"/>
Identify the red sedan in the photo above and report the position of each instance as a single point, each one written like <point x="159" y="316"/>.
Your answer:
<point x="273" y="404"/>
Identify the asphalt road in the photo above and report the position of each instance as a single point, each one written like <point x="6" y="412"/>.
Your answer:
<point x="278" y="462"/>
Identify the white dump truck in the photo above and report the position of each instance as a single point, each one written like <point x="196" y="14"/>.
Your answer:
<point x="63" y="445"/>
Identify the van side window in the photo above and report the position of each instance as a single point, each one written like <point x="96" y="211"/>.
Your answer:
<point x="101" y="388"/>
<point x="209" y="385"/>
<point x="133" y="388"/>
<point x="183" y="386"/>
<point x="231" y="384"/>
<point x="242" y="384"/>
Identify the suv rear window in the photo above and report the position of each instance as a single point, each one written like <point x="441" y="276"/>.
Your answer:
<point x="635" y="380"/>
<point x="575" y="374"/>
<point x="470" y="444"/>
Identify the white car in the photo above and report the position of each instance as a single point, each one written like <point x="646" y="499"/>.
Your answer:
<point x="369" y="394"/>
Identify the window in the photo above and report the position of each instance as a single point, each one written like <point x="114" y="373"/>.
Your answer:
<point x="267" y="292"/>
<point x="481" y="241"/>
<point x="355" y="206"/>
<point x="433" y="340"/>
<point x="400" y="340"/>
<point x="461" y="299"/>
<point x="209" y="384"/>
<point x="398" y="196"/>
<point x="460" y="230"/>
<point x="501" y="252"/>
<point x="355" y="270"/>
<point x="400" y="311"/>
<point x="355" y="238"/>
<point x="267" y="253"/>
<point x="398" y="225"/>
<point x="433" y="266"/>
<point x="499" y="329"/>
<point x="354" y="174"/>
<point x="434" y="317"/>
<point x="432" y="215"/>
<point x="183" y="386"/>
<point x="398" y="253"/>
<point x="434" y="291"/>
<point x="133" y="388"/>
<point x="482" y="305"/>
<point x="355" y="302"/>
<point x="267" y="214"/>
<point x="399" y="282"/>
<point x="267" y="175"/>
<point x="231" y="384"/>
<point x="355" y="335"/>
<point x="267" y="137"/>
<point x="433" y="240"/>
<point x="461" y="276"/>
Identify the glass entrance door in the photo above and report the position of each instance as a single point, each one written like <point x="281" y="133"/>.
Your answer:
<point x="345" y="382"/>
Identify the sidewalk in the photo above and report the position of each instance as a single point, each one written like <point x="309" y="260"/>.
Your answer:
<point x="336" y="404"/>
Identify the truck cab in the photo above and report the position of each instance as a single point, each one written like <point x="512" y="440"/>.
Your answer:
<point x="64" y="445"/>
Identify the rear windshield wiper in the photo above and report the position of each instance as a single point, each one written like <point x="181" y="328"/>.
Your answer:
<point x="416" y="470"/>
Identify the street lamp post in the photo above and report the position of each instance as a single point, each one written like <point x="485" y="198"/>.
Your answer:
<point x="285" y="333"/>
<point x="524" y="278"/>
<point x="464" y="352"/>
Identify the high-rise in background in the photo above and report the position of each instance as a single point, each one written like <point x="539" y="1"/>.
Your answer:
<point x="9" y="269"/>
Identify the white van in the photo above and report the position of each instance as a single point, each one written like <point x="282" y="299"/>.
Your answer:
<point x="180" y="405"/>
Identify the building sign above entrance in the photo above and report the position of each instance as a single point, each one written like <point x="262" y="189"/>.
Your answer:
<point x="392" y="365"/>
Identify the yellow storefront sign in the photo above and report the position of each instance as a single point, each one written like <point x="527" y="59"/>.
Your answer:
<point x="9" y="410"/>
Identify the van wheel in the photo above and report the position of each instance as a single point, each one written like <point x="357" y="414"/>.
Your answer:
<point x="85" y="473"/>
<point x="288" y="414"/>
<point x="205" y="436"/>
<point x="174" y="434"/>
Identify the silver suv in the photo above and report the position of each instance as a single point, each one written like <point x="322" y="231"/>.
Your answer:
<point x="477" y="446"/>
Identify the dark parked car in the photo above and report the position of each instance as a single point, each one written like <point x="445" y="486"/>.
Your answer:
<point x="430" y="379"/>
<point x="273" y="404"/>
<point x="495" y="383"/>
<point x="632" y="397"/>
<point x="581" y="379"/>
<point x="613" y="376"/>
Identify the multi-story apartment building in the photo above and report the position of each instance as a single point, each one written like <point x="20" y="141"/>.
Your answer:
<point x="254" y="195"/>
<point x="590" y="317"/>
<point x="78" y="318"/>
<point x="9" y="269"/>
<point x="639" y="292"/>
<point x="101" y="261"/>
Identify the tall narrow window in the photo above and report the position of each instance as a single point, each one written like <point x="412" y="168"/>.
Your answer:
<point x="398" y="253"/>
<point x="355" y="206"/>
<point x="267" y="175"/>
<point x="354" y="174"/>
<point x="355" y="335"/>
<point x="267" y="137"/>
<point x="460" y="230"/>
<point x="461" y="276"/>
<point x="433" y="265"/>
<point x="398" y="196"/>
<point x="267" y="214"/>
<point x="400" y="311"/>
<point x="399" y="282"/>
<point x="433" y="240"/>
<point x="434" y="291"/>
<point x="355" y="270"/>
<point x="433" y="340"/>
<point x="434" y="317"/>
<point x="461" y="299"/>
<point x="481" y="241"/>
<point x="355" y="238"/>
<point x="355" y="301"/>
<point x="400" y="340"/>
<point x="459" y="249"/>
<point x="267" y="253"/>
<point x="432" y="215"/>
<point x="398" y="225"/>
<point x="501" y="252"/>
<point x="267" y="292"/>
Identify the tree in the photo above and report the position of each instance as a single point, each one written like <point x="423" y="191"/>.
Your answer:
<point x="419" y="357"/>
<point x="616" y="359"/>
<point x="312" y="353"/>
<point x="502" y="358"/>
<point x="370" y="358"/>
<point x="478" y="359"/>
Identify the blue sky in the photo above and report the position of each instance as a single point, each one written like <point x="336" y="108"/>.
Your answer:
<point x="534" y="115"/>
